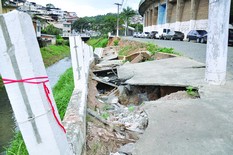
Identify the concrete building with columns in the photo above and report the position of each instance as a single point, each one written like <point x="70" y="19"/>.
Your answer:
<point x="179" y="15"/>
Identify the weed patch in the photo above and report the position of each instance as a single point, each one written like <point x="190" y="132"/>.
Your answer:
<point x="192" y="91"/>
<point x="116" y="42"/>
<point x="126" y="50"/>
<point x="152" y="48"/>
<point x="98" y="42"/>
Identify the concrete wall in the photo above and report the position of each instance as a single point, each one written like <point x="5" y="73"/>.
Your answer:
<point x="75" y="117"/>
<point x="188" y="15"/>
<point x="203" y="10"/>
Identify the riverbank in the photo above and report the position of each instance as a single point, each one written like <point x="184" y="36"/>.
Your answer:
<point x="62" y="92"/>
<point x="52" y="54"/>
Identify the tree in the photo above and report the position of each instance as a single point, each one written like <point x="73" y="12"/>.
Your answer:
<point x="138" y="27"/>
<point x="100" y="23"/>
<point x="50" y="29"/>
<point x="126" y="14"/>
<point x="50" y="5"/>
<point x="81" y="24"/>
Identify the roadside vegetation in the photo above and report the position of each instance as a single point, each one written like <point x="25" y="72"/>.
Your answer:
<point x="62" y="92"/>
<point x="1" y="83"/>
<point x="98" y="42"/>
<point x="130" y="47"/>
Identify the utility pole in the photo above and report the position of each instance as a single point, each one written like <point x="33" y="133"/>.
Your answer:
<point x="216" y="54"/>
<point x="118" y="6"/>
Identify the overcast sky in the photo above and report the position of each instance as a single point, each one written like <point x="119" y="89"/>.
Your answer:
<point x="89" y="7"/>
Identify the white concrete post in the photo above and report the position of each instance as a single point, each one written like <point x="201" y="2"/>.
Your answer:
<point x="20" y="58"/>
<point x="86" y="59"/>
<point x="216" y="54"/>
<point x="74" y="59"/>
<point x="76" y="48"/>
<point x="91" y="54"/>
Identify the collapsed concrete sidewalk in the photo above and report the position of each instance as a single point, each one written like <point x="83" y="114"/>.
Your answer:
<point x="195" y="126"/>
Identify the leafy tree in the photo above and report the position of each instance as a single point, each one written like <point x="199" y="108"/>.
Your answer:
<point x="100" y="23"/>
<point x="126" y="14"/>
<point x="50" y="29"/>
<point x="50" y="5"/>
<point x="81" y="24"/>
<point x="138" y="27"/>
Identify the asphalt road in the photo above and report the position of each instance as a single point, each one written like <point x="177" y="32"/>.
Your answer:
<point x="192" y="50"/>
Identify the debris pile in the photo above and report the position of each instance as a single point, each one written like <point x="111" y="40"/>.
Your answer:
<point x="115" y="115"/>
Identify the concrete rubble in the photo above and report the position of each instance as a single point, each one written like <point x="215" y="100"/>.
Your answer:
<point x="118" y="81"/>
<point x="187" y="126"/>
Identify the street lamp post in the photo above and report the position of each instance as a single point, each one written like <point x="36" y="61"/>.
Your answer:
<point x="118" y="6"/>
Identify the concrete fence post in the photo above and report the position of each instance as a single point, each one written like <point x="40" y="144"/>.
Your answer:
<point x="76" y="48"/>
<point x="27" y="86"/>
<point x="217" y="46"/>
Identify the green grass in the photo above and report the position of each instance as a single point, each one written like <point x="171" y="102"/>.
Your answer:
<point x="51" y="54"/>
<point x="152" y="48"/>
<point x="1" y="83"/>
<point x="126" y="50"/>
<point x="62" y="92"/>
<point x="98" y="42"/>
<point x="18" y="146"/>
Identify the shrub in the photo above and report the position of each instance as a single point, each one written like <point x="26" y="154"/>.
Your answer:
<point x="152" y="48"/>
<point x="125" y="50"/>
<point x="116" y="42"/>
<point x="98" y="42"/>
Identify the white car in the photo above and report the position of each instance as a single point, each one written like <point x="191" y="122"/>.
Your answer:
<point x="145" y="34"/>
<point x="161" y="33"/>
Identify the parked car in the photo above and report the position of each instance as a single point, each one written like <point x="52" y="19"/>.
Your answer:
<point x="161" y="33"/>
<point x="203" y="39"/>
<point x="174" y="35"/>
<point x="230" y="38"/>
<point x="145" y="34"/>
<point x="139" y="35"/>
<point x="135" y="34"/>
<point x="152" y="34"/>
<point x="196" y="35"/>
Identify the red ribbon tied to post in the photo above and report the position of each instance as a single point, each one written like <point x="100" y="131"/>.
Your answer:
<point x="43" y="80"/>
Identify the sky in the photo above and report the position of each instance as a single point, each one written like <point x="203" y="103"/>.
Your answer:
<point x="89" y="7"/>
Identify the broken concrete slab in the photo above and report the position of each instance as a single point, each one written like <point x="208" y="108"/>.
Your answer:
<point x="110" y="53"/>
<point x="159" y="55"/>
<point x="111" y="57"/>
<point x="145" y="55"/>
<point x="200" y="126"/>
<point x="137" y="59"/>
<point x="112" y="63"/>
<point x="103" y="81"/>
<point x="178" y="71"/>
<point x="99" y="52"/>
